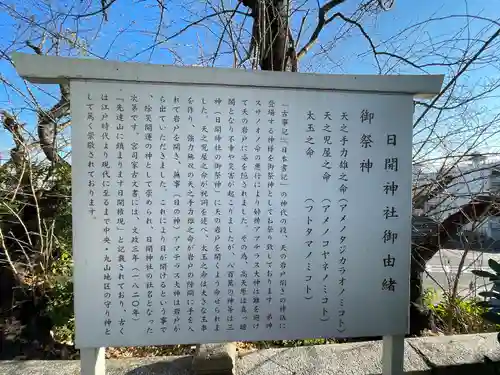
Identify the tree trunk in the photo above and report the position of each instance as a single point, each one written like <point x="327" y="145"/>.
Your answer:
<point x="269" y="33"/>
<point x="420" y="315"/>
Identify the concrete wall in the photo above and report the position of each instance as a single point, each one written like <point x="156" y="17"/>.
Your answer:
<point x="443" y="355"/>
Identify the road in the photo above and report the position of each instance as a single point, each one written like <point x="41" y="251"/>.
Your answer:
<point x="442" y="270"/>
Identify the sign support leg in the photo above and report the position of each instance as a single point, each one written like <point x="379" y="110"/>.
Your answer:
<point x="92" y="361"/>
<point x="393" y="354"/>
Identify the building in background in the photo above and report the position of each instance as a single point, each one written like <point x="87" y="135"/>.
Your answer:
<point x="479" y="176"/>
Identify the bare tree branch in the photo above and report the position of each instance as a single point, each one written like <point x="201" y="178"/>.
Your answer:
<point x="184" y="29"/>
<point x="462" y="71"/>
<point x="18" y="153"/>
<point x="47" y="125"/>
<point x="104" y="8"/>
<point x="322" y="22"/>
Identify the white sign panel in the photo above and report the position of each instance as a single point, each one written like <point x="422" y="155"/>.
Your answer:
<point x="207" y="214"/>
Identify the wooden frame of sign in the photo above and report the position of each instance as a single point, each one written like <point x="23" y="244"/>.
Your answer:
<point x="215" y="205"/>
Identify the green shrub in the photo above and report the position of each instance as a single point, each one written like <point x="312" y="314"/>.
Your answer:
<point x="491" y="304"/>
<point x="60" y="298"/>
<point x="458" y="315"/>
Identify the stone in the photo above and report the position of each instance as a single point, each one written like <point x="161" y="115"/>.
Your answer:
<point x="448" y="355"/>
<point x="444" y="351"/>
<point x="362" y="358"/>
<point x="216" y="359"/>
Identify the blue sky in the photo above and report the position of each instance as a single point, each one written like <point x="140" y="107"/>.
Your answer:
<point x="132" y="25"/>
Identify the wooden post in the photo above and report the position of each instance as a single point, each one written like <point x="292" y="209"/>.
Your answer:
<point x="92" y="361"/>
<point x="393" y="354"/>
